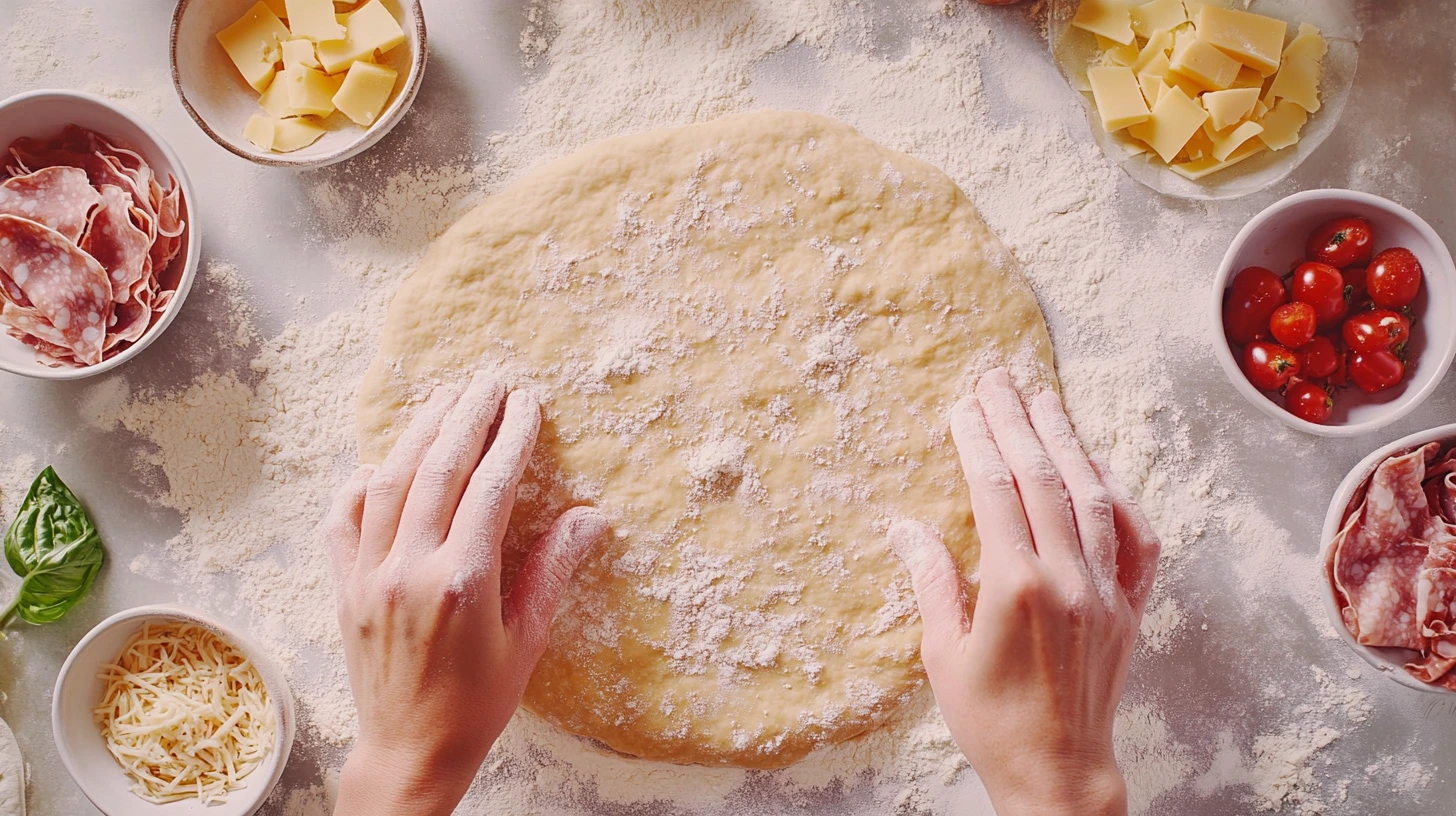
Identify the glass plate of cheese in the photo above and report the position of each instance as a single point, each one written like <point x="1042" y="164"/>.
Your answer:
<point x="1208" y="100"/>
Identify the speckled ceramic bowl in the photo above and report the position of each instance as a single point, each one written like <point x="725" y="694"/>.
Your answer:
<point x="220" y="102"/>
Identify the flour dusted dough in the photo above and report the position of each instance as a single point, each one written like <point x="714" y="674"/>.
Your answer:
<point x="12" y="774"/>
<point x="748" y="335"/>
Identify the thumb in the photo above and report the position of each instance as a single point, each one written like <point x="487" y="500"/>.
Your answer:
<point x="528" y="611"/>
<point x="935" y="577"/>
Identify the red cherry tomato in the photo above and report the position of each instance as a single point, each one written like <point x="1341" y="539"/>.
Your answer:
<point x="1342" y="242"/>
<point x="1379" y="330"/>
<point x="1375" y="371"/>
<point x="1309" y="402"/>
<point x="1255" y="294"/>
<point x="1323" y="287"/>
<point x="1319" y="358"/>
<point x="1394" y="278"/>
<point x="1269" y="366"/>
<point x="1293" y="324"/>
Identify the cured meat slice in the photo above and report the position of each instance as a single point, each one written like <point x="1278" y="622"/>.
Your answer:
<point x="117" y="244"/>
<point x="58" y="197"/>
<point x="65" y="285"/>
<point x="1377" y="558"/>
<point x="1441" y="488"/>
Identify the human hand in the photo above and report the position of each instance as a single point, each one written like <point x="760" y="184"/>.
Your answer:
<point x="1030" y="687"/>
<point x="438" y="656"/>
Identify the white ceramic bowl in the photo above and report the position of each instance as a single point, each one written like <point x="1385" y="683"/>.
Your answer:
<point x="84" y="753"/>
<point x="220" y="102"/>
<point x="1275" y="239"/>
<point x="43" y="114"/>
<point x="1390" y="662"/>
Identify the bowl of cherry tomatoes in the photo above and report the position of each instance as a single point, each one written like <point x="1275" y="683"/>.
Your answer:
<point x="1335" y="312"/>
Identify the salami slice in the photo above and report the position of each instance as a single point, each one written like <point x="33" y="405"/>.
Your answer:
<point x="65" y="285"/>
<point x="58" y="197"/>
<point x="1376" y="559"/>
<point x="117" y="244"/>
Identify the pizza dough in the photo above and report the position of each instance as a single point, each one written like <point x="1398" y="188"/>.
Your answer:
<point x="747" y="335"/>
<point x="12" y="774"/>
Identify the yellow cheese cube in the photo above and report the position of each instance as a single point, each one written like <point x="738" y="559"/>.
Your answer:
<point x="1204" y="64"/>
<point x="293" y="134"/>
<point x="1151" y="87"/>
<point x="1298" y="81"/>
<point x="370" y="28"/>
<point x="365" y="92"/>
<point x="1307" y="43"/>
<point x="1248" y="78"/>
<point x="259" y="131"/>
<point x="299" y="54"/>
<point x="1253" y="39"/>
<point x="313" y="20"/>
<point x="1158" y="15"/>
<point x="275" y="101"/>
<point x="252" y="43"/>
<point x="1207" y="165"/>
<point x="1176" y="80"/>
<point x="1108" y="18"/>
<point x="1174" y="120"/>
<point x="1228" y="108"/>
<point x="1157" y="46"/>
<point x="1282" y="125"/>
<point x="1115" y="54"/>
<point x="310" y="91"/>
<point x="1227" y="141"/>
<point x="1119" y="98"/>
<point x="1198" y="146"/>
<point x="1157" y="67"/>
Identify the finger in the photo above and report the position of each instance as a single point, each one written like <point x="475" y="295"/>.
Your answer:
<point x="479" y="525"/>
<point x="1138" y="546"/>
<point x="528" y="611"/>
<point x="1043" y="495"/>
<point x="934" y="576"/>
<point x="440" y="482"/>
<point x="1000" y="522"/>
<point x="1091" y="501"/>
<point x="341" y="526"/>
<point x="390" y="485"/>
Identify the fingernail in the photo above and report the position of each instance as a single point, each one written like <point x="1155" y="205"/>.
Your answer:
<point x="589" y="527"/>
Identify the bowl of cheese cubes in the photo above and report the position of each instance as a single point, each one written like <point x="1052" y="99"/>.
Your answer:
<point x="297" y="83"/>
<point x="1208" y="100"/>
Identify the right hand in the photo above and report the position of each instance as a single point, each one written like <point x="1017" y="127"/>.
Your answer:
<point x="1030" y="689"/>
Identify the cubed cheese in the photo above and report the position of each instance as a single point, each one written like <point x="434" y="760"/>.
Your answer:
<point x="1187" y="86"/>
<point x="1248" y="78"/>
<point x="1204" y="64"/>
<point x="259" y="131"/>
<point x="1225" y="142"/>
<point x="1108" y="18"/>
<point x="1173" y="122"/>
<point x="1159" y="45"/>
<point x="310" y="91"/>
<point x="1157" y="67"/>
<point x="366" y="90"/>
<point x="292" y="134"/>
<point x="1199" y="145"/>
<point x="275" y="100"/>
<point x="1159" y="15"/>
<point x="1151" y="87"/>
<point x="371" y="28"/>
<point x="313" y="20"/>
<point x="1298" y="81"/>
<point x="299" y="53"/>
<point x="1207" y="165"/>
<point x="1255" y="40"/>
<point x="1307" y="43"/>
<point x="1115" y="54"/>
<point x="1227" y="108"/>
<point x="1119" y="99"/>
<point x="1282" y="125"/>
<point x="252" y="43"/>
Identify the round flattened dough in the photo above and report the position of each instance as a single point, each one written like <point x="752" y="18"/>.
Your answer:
<point x="747" y="335"/>
<point x="12" y="774"/>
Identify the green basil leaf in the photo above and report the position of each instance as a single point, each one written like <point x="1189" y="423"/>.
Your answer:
<point x="55" y="548"/>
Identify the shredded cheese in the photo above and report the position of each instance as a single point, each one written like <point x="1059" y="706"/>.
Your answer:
<point x="185" y="713"/>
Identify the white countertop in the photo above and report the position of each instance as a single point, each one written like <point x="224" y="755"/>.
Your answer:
<point x="1215" y="674"/>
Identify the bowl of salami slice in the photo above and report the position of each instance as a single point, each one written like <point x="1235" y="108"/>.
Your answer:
<point x="1389" y="561"/>
<point x="98" y="244"/>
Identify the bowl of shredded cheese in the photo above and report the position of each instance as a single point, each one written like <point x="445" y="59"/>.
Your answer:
<point x="161" y="709"/>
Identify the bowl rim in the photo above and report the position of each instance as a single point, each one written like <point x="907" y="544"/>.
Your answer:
<point x="1334" y="517"/>
<point x="273" y="680"/>
<point x="194" y="238"/>
<point x="1223" y="351"/>
<point x="365" y="139"/>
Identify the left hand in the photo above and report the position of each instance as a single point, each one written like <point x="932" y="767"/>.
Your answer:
<point x="438" y="652"/>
